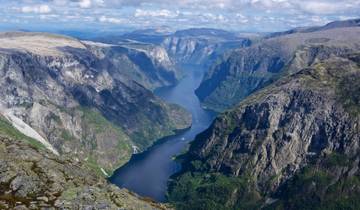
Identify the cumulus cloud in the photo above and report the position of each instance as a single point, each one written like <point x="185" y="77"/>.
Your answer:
<point x="105" y="19"/>
<point x="85" y="3"/>
<point x="156" y="13"/>
<point x="260" y="15"/>
<point x="322" y="7"/>
<point x="41" y="9"/>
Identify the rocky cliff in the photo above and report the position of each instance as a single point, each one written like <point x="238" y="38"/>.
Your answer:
<point x="292" y="145"/>
<point x="147" y="64"/>
<point x="77" y="97"/>
<point x="32" y="177"/>
<point x="249" y="69"/>
<point x="201" y="46"/>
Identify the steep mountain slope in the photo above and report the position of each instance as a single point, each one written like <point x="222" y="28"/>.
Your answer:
<point x="197" y="46"/>
<point x="249" y="69"/>
<point x="201" y="46"/>
<point x="33" y="178"/>
<point x="79" y="100"/>
<point x="147" y="64"/>
<point x="292" y="145"/>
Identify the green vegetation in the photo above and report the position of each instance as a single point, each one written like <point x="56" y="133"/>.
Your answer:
<point x="212" y="191"/>
<point x="6" y="129"/>
<point x="91" y="162"/>
<point x="95" y="123"/>
<point x="70" y="193"/>
<point x="318" y="187"/>
<point x="349" y="92"/>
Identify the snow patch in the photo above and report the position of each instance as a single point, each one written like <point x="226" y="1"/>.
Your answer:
<point x="26" y="129"/>
<point x="104" y="172"/>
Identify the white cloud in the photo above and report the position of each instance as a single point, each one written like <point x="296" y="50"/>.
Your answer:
<point x="156" y="13"/>
<point x="263" y="15"/>
<point x="41" y="9"/>
<point x="316" y="7"/>
<point x="105" y="19"/>
<point x="85" y="4"/>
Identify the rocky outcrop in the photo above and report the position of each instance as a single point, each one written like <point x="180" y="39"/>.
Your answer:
<point x="292" y="145"/>
<point x="147" y="64"/>
<point x="247" y="70"/>
<point x="79" y="100"/>
<point x="201" y="46"/>
<point x="33" y="178"/>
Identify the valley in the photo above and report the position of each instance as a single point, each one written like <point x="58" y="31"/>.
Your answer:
<point x="196" y="118"/>
<point x="148" y="173"/>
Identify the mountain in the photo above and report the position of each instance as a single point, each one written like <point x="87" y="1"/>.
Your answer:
<point x="196" y="46"/>
<point x="331" y="25"/>
<point x="151" y="35"/>
<point x="245" y="70"/>
<point x="201" y="46"/>
<point x="147" y="64"/>
<point x="34" y="178"/>
<point x="291" y="145"/>
<point x="77" y="97"/>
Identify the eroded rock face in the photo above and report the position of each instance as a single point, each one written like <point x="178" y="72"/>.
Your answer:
<point x="147" y="64"/>
<point x="247" y="70"/>
<point x="32" y="178"/>
<point x="281" y="139"/>
<point x="201" y="46"/>
<point x="79" y="100"/>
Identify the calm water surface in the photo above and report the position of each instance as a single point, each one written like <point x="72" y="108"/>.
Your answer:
<point x="147" y="173"/>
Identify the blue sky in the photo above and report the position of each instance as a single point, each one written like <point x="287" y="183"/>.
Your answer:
<point x="238" y="15"/>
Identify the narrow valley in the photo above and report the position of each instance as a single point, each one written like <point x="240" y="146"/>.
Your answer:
<point x="148" y="173"/>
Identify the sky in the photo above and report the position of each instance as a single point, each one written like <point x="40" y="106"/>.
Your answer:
<point x="234" y="15"/>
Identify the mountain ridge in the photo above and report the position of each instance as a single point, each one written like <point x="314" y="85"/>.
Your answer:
<point x="246" y="70"/>
<point x="291" y="145"/>
<point x="80" y="101"/>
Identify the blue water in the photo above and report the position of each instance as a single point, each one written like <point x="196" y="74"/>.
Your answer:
<point x="147" y="173"/>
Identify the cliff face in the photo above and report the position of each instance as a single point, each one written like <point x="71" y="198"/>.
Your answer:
<point x="201" y="46"/>
<point x="33" y="178"/>
<point x="291" y="145"/>
<point x="79" y="100"/>
<point x="147" y="64"/>
<point x="247" y="70"/>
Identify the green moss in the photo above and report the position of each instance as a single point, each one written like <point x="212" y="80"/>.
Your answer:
<point x="70" y="194"/>
<point x="6" y="129"/>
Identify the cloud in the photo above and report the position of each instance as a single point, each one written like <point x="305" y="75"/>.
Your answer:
<point x="105" y="19"/>
<point x="254" y="15"/>
<point x="316" y="7"/>
<point x="41" y="9"/>
<point x="156" y="13"/>
<point x="85" y="3"/>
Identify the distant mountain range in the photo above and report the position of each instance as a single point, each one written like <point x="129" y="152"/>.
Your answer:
<point x="198" y="46"/>
<point x="246" y="70"/>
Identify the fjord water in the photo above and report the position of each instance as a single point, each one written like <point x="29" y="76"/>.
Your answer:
<point x="147" y="173"/>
